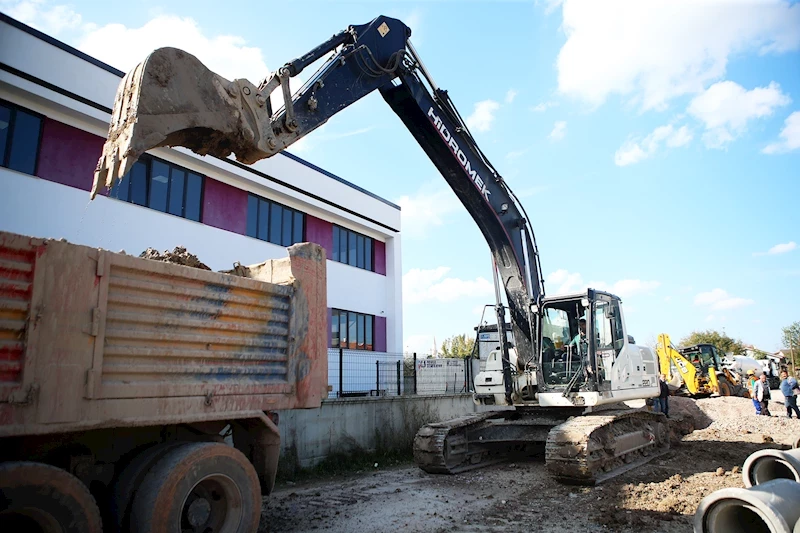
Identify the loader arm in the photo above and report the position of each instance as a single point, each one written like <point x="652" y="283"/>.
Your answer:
<point x="668" y="354"/>
<point x="171" y="99"/>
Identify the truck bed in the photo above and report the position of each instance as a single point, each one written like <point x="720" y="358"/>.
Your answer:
<point x="95" y="339"/>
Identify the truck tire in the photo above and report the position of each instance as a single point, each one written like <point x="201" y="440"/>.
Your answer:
<point x="203" y="487"/>
<point x="40" y="498"/>
<point x="123" y="489"/>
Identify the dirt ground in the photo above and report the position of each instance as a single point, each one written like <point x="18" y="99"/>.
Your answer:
<point x="659" y="497"/>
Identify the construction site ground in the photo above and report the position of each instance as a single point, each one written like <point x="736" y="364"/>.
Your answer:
<point x="661" y="496"/>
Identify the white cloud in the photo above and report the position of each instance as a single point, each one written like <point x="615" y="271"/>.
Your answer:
<point x="651" y="52"/>
<point x="514" y="154"/>
<point x="419" y="344"/>
<point x="42" y="16"/>
<point x="310" y="141"/>
<point x="559" y="130"/>
<point x="431" y="285"/>
<point x="779" y="249"/>
<point x="510" y="95"/>
<point x="726" y="107"/>
<point x="717" y="299"/>
<point x="569" y="282"/>
<point x="790" y="135"/>
<point x="482" y="117"/>
<point x="428" y="208"/>
<point x="544" y="106"/>
<point x="635" y="150"/>
<point x="566" y="282"/>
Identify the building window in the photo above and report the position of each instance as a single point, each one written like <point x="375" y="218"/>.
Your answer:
<point x="273" y="222"/>
<point x="352" y="331"/>
<point x="20" y="138"/>
<point x="353" y="248"/>
<point x="162" y="186"/>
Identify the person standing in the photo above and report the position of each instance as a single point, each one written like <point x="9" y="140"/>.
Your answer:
<point x="661" y="404"/>
<point x="790" y="388"/>
<point x="763" y="394"/>
<point x="751" y="386"/>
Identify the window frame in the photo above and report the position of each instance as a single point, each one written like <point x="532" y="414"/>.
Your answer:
<point x="147" y="160"/>
<point x="364" y="323"/>
<point x="259" y="202"/>
<point x="341" y="245"/>
<point x="11" y="123"/>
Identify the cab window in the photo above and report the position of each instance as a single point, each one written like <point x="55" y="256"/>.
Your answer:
<point x="609" y="333"/>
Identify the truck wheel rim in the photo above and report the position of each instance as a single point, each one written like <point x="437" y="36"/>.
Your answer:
<point x="214" y="505"/>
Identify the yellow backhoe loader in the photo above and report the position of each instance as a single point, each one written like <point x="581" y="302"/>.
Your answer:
<point x="697" y="371"/>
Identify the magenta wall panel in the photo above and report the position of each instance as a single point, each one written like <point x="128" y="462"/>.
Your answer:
<point x="68" y="155"/>
<point x="320" y="232"/>
<point x="224" y="206"/>
<point x="380" y="257"/>
<point x="380" y="333"/>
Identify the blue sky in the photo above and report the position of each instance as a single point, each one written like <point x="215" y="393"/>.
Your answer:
<point x="654" y="145"/>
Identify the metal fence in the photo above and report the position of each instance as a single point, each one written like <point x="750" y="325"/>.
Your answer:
<point x="362" y="373"/>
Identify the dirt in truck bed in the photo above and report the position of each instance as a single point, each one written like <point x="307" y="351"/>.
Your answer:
<point x="178" y="256"/>
<point x="661" y="496"/>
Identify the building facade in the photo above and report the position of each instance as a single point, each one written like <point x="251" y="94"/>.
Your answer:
<point x="55" y="105"/>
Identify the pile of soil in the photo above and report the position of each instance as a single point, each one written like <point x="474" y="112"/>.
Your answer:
<point x="178" y="256"/>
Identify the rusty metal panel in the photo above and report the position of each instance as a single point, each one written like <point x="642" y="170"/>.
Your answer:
<point x="16" y="288"/>
<point x="172" y="330"/>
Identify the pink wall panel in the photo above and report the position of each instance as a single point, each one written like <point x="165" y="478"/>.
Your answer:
<point x="224" y="206"/>
<point x="380" y="257"/>
<point x="380" y="333"/>
<point x="68" y="155"/>
<point x="320" y="232"/>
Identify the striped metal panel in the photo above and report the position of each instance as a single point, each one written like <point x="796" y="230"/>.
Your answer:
<point x="176" y="330"/>
<point x="16" y="286"/>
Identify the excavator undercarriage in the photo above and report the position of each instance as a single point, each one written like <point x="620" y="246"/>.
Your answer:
<point x="581" y="449"/>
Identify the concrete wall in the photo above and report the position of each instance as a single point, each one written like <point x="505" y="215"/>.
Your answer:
<point x="352" y="424"/>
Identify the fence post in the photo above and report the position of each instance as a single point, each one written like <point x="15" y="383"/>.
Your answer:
<point x="341" y="372"/>
<point x="415" y="373"/>
<point x="399" y="367"/>
<point x="377" y="377"/>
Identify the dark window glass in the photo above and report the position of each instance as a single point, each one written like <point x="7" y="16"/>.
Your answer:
<point x="343" y="328"/>
<point x="297" y="228"/>
<point x="361" y="330"/>
<point x="360" y="251"/>
<point x="352" y="256"/>
<point x="368" y="253"/>
<point x="194" y="196"/>
<point x="335" y="329"/>
<point x="5" y="127"/>
<point x="352" y="330"/>
<point x="286" y="237"/>
<point x="275" y="219"/>
<point x="370" y="322"/>
<point x="252" y="216"/>
<point x="335" y="251"/>
<point x="343" y="245"/>
<point x="263" y="219"/>
<point x="24" y="142"/>
<point x="121" y="188"/>
<point x="159" y="182"/>
<point x="138" y="194"/>
<point x="177" y="182"/>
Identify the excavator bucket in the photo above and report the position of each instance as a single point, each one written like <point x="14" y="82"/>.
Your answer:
<point x="172" y="99"/>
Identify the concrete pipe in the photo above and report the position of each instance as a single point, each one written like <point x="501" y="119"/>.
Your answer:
<point x="773" y="507"/>
<point x="796" y="443"/>
<point x="766" y="465"/>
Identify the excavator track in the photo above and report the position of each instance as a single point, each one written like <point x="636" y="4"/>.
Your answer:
<point x="593" y="448"/>
<point x="443" y="448"/>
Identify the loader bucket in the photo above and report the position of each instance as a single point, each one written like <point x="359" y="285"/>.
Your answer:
<point x="172" y="99"/>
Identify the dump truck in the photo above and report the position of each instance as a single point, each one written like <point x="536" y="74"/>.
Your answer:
<point x="142" y="396"/>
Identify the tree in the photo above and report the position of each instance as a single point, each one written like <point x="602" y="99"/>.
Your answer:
<point x="457" y="346"/>
<point x="791" y="340"/>
<point x="722" y="342"/>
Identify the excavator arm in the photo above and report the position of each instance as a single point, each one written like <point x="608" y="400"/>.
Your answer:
<point x="171" y="99"/>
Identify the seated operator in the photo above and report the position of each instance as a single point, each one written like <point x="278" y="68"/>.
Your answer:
<point x="581" y="336"/>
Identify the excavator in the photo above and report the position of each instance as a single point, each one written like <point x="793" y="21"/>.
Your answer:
<point x="571" y="364"/>
<point x="697" y="371"/>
